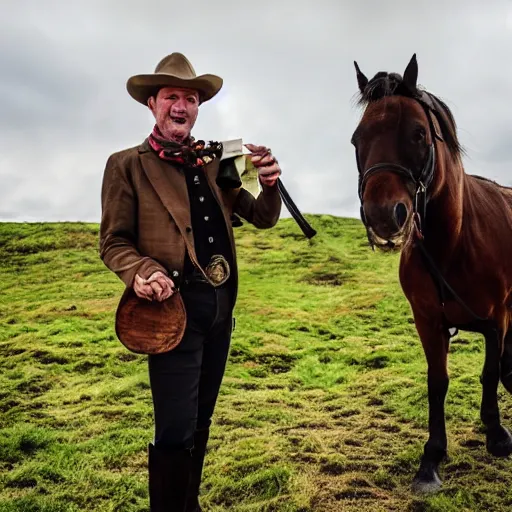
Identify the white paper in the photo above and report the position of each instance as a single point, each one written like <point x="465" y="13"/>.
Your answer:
<point x="232" y="148"/>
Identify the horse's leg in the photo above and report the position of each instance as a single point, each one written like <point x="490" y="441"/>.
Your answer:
<point x="499" y="440"/>
<point x="506" y="363"/>
<point x="435" y="343"/>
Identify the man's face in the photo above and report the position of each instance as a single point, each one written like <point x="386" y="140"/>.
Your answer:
<point x="175" y="112"/>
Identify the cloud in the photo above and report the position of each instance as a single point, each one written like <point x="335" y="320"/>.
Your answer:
<point x="289" y="84"/>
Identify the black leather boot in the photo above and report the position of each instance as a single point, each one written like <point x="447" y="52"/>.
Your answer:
<point x="198" y="453"/>
<point x="169" y="479"/>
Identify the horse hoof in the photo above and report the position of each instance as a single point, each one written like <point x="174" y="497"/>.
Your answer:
<point x="426" y="483"/>
<point x="499" y="443"/>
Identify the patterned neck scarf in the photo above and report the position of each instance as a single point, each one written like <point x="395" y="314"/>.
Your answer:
<point x="190" y="154"/>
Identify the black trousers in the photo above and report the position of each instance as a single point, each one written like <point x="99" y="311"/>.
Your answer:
<point x="185" y="382"/>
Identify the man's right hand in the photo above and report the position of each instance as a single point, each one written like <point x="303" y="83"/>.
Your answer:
<point x="158" y="286"/>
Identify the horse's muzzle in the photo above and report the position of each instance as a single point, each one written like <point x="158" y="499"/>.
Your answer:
<point x="388" y="225"/>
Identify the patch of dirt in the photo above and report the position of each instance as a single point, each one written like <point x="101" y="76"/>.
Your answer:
<point x="85" y="366"/>
<point x="275" y="362"/>
<point x="472" y="443"/>
<point x="376" y="361"/>
<point x="346" y="413"/>
<point x="8" y="350"/>
<point x="22" y="483"/>
<point x="127" y="356"/>
<point x="353" y="442"/>
<point x="35" y="386"/>
<point x="45" y="357"/>
<point x="326" y="278"/>
<point x="355" y="494"/>
<point x="333" y="467"/>
<point x="8" y="405"/>
<point x="392" y="429"/>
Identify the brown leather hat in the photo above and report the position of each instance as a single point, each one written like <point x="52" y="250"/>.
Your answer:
<point x="174" y="70"/>
<point x="150" y="327"/>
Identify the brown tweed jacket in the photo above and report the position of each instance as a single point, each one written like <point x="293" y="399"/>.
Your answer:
<point x="145" y="224"/>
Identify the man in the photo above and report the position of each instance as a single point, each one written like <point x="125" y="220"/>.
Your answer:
<point x="165" y="226"/>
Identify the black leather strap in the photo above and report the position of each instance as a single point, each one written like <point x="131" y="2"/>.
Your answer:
<point x="303" y="224"/>
<point x="442" y="284"/>
<point x="421" y="182"/>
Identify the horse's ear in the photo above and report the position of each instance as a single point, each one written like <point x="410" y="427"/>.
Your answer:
<point x="362" y="81"/>
<point x="411" y="74"/>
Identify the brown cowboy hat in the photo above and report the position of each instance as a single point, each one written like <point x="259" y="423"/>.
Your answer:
<point x="175" y="70"/>
<point x="150" y="327"/>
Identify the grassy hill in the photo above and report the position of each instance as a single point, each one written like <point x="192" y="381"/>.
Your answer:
<point x="323" y="407"/>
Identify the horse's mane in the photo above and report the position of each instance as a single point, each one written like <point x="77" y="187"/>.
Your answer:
<point x="391" y="84"/>
<point x="499" y="185"/>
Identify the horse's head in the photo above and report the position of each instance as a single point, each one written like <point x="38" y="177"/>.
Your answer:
<point x="396" y="152"/>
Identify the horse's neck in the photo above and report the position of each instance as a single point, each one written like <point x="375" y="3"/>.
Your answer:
<point x="445" y="211"/>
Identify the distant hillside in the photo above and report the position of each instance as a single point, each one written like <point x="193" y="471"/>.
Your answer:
<point x="323" y="407"/>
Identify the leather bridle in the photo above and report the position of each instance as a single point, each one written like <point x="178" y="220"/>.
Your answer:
<point x="421" y="181"/>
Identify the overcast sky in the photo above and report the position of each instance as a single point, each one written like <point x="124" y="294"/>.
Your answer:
<point x="289" y="83"/>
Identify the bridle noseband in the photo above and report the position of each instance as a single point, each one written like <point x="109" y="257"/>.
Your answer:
<point x="421" y="182"/>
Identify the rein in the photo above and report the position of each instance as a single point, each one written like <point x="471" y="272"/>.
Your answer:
<point x="422" y="183"/>
<point x="441" y="282"/>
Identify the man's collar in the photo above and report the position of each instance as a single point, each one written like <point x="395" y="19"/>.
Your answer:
<point x="144" y="147"/>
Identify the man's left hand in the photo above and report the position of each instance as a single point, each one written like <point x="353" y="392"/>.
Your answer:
<point x="268" y="167"/>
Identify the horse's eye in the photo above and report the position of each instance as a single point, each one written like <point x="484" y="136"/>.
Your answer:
<point x="419" y="134"/>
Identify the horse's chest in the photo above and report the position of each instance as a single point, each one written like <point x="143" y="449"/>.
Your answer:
<point x="486" y="296"/>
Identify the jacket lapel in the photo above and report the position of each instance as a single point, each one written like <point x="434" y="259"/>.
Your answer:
<point x="171" y="187"/>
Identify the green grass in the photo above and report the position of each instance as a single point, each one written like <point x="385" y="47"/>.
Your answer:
<point x="323" y="406"/>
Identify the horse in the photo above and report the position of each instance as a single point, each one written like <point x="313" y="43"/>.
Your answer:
<point x="454" y="234"/>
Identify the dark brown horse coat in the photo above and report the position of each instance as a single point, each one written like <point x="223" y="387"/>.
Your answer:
<point x="463" y="240"/>
<point x="470" y="235"/>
